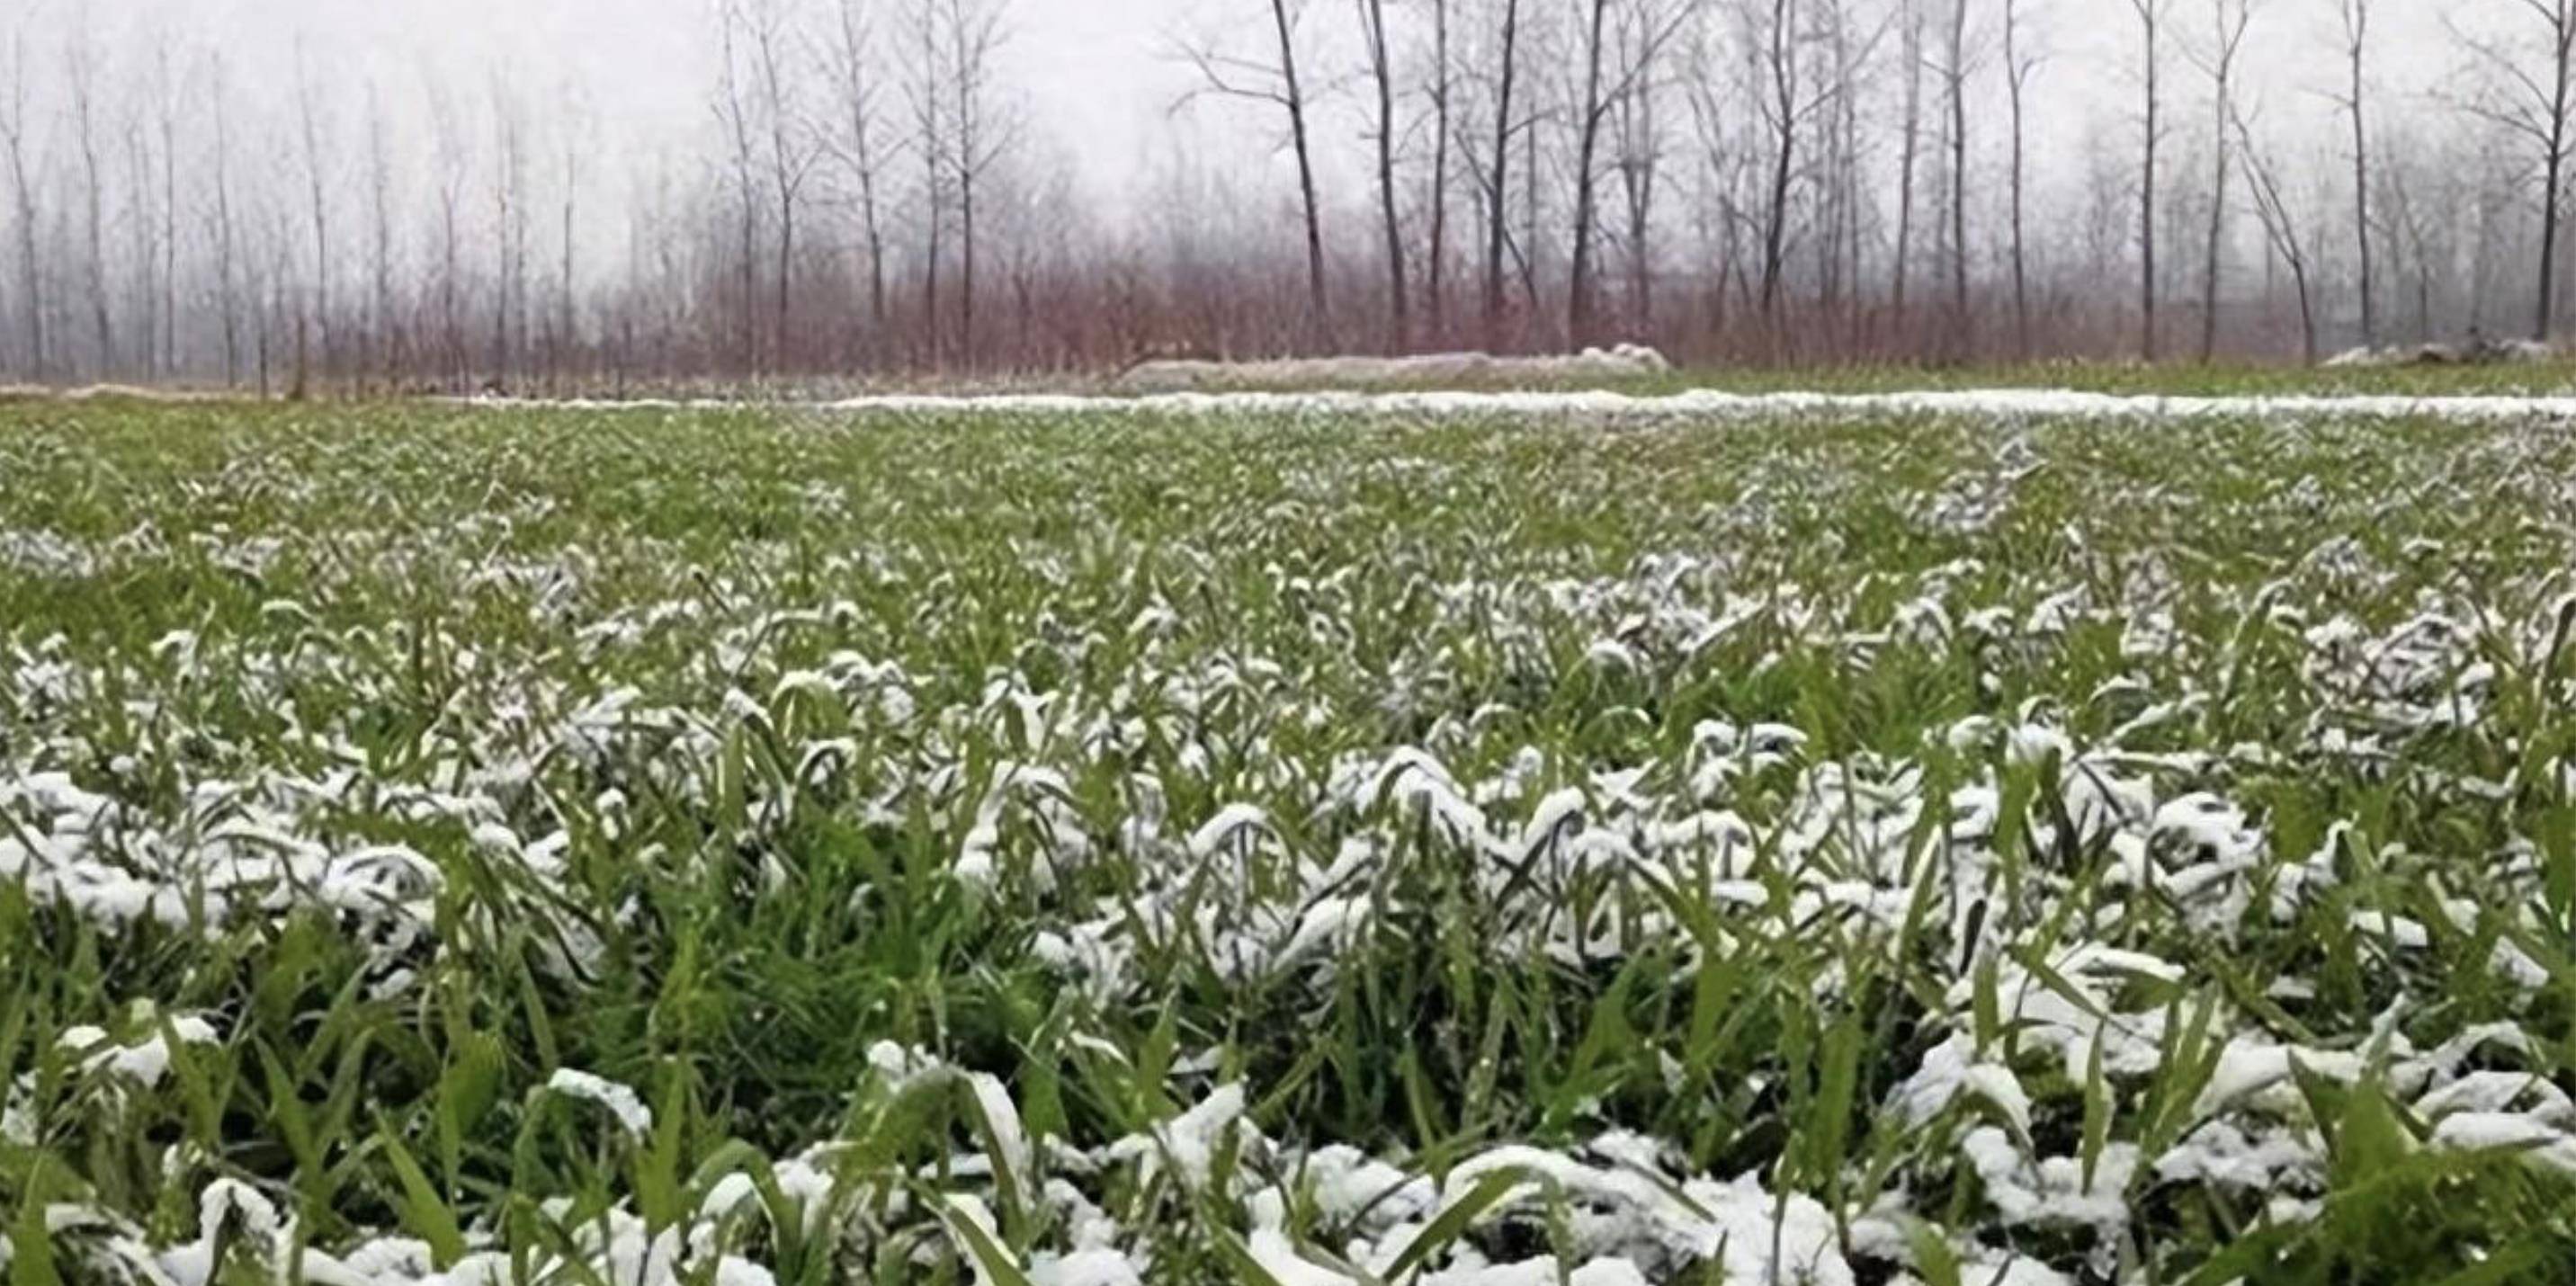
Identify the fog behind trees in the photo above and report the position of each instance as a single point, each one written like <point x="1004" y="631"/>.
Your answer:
<point x="813" y="188"/>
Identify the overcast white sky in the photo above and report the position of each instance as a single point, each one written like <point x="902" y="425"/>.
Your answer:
<point x="1095" y="73"/>
<point x="1097" y="76"/>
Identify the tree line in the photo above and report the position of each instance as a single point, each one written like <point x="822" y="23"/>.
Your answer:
<point x="1731" y="180"/>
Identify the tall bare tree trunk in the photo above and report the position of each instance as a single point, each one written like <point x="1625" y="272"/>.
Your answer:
<point x="1436" y="254"/>
<point x="2281" y="227"/>
<point x="2228" y="28"/>
<point x="143" y="253"/>
<point x="1498" y="210"/>
<point x="928" y="107"/>
<point x="966" y="172"/>
<point x="2356" y="31"/>
<point x="84" y="113"/>
<point x="1578" y="306"/>
<point x="320" y="210"/>
<point x="13" y="136"/>
<point x="166" y="88"/>
<point x="791" y="163"/>
<point x="2017" y="79"/>
<point x="2150" y="19"/>
<point x="266" y="286"/>
<point x="858" y="89"/>
<point x="1320" y="312"/>
<point x="931" y="145"/>
<point x="734" y="110"/>
<point x="1838" y="179"/>
<point x="453" y="359"/>
<point x="1382" y="72"/>
<point x="509" y="236"/>
<point x="381" y="244"/>
<point x="2561" y="17"/>
<point x="2534" y="107"/>
<point x="1625" y="99"/>
<point x="783" y="332"/>
<point x="1911" y="18"/>
<point x="1640" y="132"/>
<point x="1962" y="337"/>
<point x="567" y="316"/>
<point x="875" y="229"/>
<point x="1783" y="68"/>
<point x="220" y="92"/>
<point x="1530" y="215"/>
<point x="964" y="77"/>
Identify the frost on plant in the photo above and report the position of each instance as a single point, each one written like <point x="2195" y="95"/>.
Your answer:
<point x="1468" y="839"/>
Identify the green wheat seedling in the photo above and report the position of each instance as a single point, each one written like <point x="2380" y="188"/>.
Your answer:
<point x="659" y="847"/>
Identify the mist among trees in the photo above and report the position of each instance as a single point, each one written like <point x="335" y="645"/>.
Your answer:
<point x="1774" y="181"/>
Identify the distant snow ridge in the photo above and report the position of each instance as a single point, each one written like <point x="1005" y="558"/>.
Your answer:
<point x="1705" y="405"/>
<point x="1431" y="370"/>
<point x="2478" y="351"/>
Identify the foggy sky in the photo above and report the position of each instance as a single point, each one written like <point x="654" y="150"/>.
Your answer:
<point x="1098" y="80"/>
<point x="1095" y="75"/>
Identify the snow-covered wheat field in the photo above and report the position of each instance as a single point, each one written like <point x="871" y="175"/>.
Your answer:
<point x="1419" y="839"/>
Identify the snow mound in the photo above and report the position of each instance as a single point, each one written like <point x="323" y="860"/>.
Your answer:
<point x="1431" y="370"/>
<point x="1605" y="407"/>
<point x="2478" y="351"/>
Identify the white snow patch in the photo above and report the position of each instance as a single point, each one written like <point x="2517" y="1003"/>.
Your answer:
<point x="1695" y="404"/>
<point x="620" y="1100"/>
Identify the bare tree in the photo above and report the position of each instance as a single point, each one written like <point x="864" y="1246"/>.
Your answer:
<point x="2019" y="66"/>
<point x="1846" y="194"/>
<point x="152" y="216"/>
<point x="81" y="65"/>
<point x="509" y="233"/>
<point x="1910" y="26"/>
<point x="2229" y="19"/>
<point x="855" y="74"/>
<point x="13" y="136"/>
<point x="1381" y="66"/>
<point x="452" y="168"/>
<point x="2356" y="42"/>
<point x="272" y="281"/>
<point x="1527" y="248"/>
<point x="144" y="250"/>
<point x="792" y="151"/>
<point x="931" y="146"/>
<point x="1843" y="195"/>
<point x="565" y="327"/>
<point x="2151" y="18"/>
<point x="317" y="179"/>
<point x="1954" y="79"/>
<point x="2281" y="228"/>
<point x="1782" y="112"/>
<point x="1637" y="121"/>
<point x="380" y="248"/>
<point x="165" y="92"/>
<point x="1659" y="22"/>
<point x="975" y="33"/>
<point x="734" y="112"/>
<point x="1724" y="159"/>
<point x="1497" y="176"/>
<point x="1436" y="253"/>
<point x="2537" y="105"/>
<point x="1277" y="83"/>
<point x="2418" y="219"/>
<point x="1588" y="138"/>
<point x="227" y="294"/>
